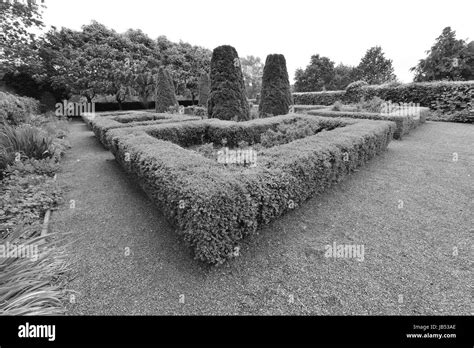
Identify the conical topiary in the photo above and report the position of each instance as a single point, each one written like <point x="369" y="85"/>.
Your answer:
<point x="164" y="97"/>
<point x="227" y="98"/>
<point x="275" y="97"/>
<point x="204" y="89"/>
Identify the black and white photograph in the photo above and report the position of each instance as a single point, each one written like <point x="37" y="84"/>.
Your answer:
<point x="242" y="160"/>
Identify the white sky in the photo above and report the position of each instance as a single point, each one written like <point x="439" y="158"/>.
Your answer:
<point x="339" y="29"/>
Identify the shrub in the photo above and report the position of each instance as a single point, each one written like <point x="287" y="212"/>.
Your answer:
<point x="318" y="98"/>
<point x="275" y="96"/>
<point x="23" y="141"/>
<point x="463" y="116"/>
<point x="15" y="110"/>
<point x="304" y="108"/>
<point x="355" y="91"/>
<point x="337" y="106"/>
<point x="47" y="167"/>
<point x="25" y="197"/>
<point x="372" y="105"/>
<point x="286" y="133"/>
<point x="207" y="150"/>
<point x="212" y="207"/>
<point x="444" y="96"/>
<point x="204" y="89"/>
<point x="196" y="111"/>
<point x="165" y="96"/>
<point x="227" y="98"/>
<point x="176" y="109"/>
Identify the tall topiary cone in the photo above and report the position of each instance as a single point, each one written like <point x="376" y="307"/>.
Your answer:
<point x="227" y="99"/>
<point x="204" y="89"/>
<point x="164" y="97"/>
<point x="275" y="97"/>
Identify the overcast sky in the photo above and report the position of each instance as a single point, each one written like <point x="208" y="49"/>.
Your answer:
<point x="339" y="29"/>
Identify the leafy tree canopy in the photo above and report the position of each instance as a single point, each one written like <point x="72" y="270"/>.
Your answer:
<point x="448" y="59"/>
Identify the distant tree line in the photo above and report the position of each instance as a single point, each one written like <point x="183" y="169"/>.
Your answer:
<point x="93" y="61"/>
<point x="97" y="61"/>
<point x="448" y="59"/>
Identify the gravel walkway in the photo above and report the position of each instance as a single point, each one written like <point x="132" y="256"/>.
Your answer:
<point x="411" y="209"/>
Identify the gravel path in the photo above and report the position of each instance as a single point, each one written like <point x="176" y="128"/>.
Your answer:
<point x="411" y="209"/>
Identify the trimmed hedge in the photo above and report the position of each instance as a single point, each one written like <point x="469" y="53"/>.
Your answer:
<point x="318" y="98"/>
<point x="15" y="109"/>
<point x="165" y="96"/>
<point x="88" y="117"/>
<point x="445" y="96"/>
<point x="214" y="208"/>
<point x="128" y="106"/>
<point x="464" y="116"/>
<point x="275" y="95"/>
<point x="403" y="123"/>
<point x="101" y="125"/>
<point x="303" y="108"/>
<point x="113" y="106"/>
<point x="227" y="97"/>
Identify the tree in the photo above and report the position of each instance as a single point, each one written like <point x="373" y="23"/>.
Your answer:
<point x="145" y="59"/>
<point x="343" y="76"/>
<point x="317" y="76"/>
<point x="165" y="96"/>
<point x="18" y="42"/>
<point x="96" y="60"/>
<point x="186" y="64"/>
<point x="204" y="88"/>
<point x="252" y="68"/>
<point x="227" y="99"/>
<point x="143" y="84"/>
<point x="448" y="59"/>
<point x="276" y="96"/>
<point x="88" y="63"/>
<point x="374" y="68"/>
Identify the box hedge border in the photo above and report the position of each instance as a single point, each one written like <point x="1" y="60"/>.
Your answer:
<point x="101" y="125"/>
<point x="318" y="98"/>
<point x="214" y="208"/>
<point x="302" y="108"/>
<point x="403" y="123"/>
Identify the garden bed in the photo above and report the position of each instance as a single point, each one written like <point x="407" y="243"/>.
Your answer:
<point x="213" y="207"/>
